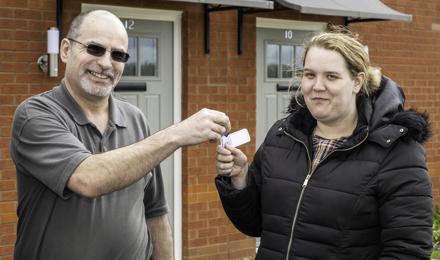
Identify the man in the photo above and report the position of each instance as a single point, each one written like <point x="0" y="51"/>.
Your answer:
<point x="89" y="184"/>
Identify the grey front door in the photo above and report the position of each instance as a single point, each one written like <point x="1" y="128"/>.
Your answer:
<point x="279" y="61"/>
<point x="147" y="82"/>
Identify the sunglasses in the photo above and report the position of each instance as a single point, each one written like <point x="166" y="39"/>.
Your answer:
<point x="97" y="50"/>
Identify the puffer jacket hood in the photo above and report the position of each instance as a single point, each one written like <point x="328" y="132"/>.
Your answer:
<point x="385" y="107"/>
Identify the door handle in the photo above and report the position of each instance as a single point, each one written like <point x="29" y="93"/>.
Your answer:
<point x="131" y="87"/>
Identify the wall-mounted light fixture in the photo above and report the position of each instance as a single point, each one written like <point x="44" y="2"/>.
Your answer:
<point x="49" y="62"/>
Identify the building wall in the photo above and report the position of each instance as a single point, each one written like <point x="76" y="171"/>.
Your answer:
<point x="222" y="80"/>
<point x="22" y="33"/>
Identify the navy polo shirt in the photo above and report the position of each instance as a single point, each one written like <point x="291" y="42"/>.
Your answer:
<point x="51" y="136"/>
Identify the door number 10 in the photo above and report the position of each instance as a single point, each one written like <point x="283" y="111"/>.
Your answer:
<point x="288" y="34"/>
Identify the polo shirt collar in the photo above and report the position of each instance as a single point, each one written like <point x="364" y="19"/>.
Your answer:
<point x="74" y="109"/>
<point x="116" y="115"/>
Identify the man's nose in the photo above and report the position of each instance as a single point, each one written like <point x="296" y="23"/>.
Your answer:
<point x="105" y="60"/>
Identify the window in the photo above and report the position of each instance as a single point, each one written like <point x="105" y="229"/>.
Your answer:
<point x="282" y="60"/>
<point x="143" y="60"/>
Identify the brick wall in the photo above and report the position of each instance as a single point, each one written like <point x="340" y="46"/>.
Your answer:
<point x="225" y="81"/>
<point x="23" y="26"/>
<point x="410" y="54"/>
<point x="221" y="80"/>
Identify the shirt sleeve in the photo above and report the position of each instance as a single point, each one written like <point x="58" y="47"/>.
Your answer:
<point x="43" y="147"/>
<point x="154" y="195"/>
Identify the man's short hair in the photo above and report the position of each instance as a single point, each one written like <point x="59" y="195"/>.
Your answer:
<point x="76" y="24"/>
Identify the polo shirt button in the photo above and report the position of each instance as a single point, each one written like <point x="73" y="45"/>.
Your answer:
<point x="388" y="141"/>
<point x="401" y="130"/>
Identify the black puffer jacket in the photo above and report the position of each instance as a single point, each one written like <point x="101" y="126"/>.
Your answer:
<point x="370" y="199"/>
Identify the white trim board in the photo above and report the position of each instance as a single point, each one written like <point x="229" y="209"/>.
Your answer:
<point x="289" y="24"/>
<point x="176" y="18"/>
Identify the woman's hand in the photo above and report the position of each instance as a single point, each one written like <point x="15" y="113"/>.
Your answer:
<point x="232" y="162"/>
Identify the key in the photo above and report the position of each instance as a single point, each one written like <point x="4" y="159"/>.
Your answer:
<point x="235" y="139"/>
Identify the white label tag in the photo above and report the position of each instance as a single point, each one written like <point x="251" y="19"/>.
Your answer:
<point x="236" y="138"/>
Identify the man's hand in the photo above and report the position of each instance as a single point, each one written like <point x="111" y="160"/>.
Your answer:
<point x="202" y="126"/>
<point x="232" y="162"/>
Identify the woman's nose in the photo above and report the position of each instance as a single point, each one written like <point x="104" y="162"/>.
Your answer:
<point x="319" y="84"/>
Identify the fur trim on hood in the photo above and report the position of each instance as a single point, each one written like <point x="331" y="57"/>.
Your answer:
<point x="417" y="123"/>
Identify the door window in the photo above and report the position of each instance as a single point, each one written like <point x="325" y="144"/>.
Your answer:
<point x="143" y="60"/>
<point x="283" y="61"/>
<point x="130" y="65"/>
<point x="272" y="60"/>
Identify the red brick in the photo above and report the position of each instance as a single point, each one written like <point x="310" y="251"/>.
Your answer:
<point x="7" y="228"/>
<point x="198" y="188"/>
<point x="7" y="185"/>
<point x="8" y="218"/>
<point x="13" y="3"/>
<point x="7" y="34"/>
<point x="207" y="232"/>
<point x="6" y="12"/>
<point x="9" y="257"/>
<point x="5" y="120"/>
<point x="31" y="14"/>
<point x="8" y="196"/>
<point x="14" y="45"/>
<point x="6" y="99"/>
<point x="49" y="15"/>
<point x="7" y="110"/>
<point x="30" y="35"/>
<point x="20" y="98"/>
<point x="198" y="242"/>
<point x="6" y="250"/>
<point x="8" y="239"/>
<point x="198" y="206"/>
<point x="37" y="88"/>
<point x="13" y="89"/>
<point x="6" y="207"/>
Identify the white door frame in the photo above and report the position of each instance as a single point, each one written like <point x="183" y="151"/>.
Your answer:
<point x="176" y="18"/>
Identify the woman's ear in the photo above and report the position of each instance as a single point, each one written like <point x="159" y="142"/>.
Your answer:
<point x="358" y="82"/>
<point x="65" y="49"/>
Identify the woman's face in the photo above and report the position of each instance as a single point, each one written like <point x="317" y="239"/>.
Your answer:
<point x="329" y="89"/>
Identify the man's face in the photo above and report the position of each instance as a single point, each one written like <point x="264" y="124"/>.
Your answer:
<point x="91" y="75"/>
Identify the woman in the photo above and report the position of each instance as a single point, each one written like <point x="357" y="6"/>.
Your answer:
<point x="344" y="175"/>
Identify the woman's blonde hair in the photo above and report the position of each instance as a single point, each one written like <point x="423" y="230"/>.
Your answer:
<point x="343" y="41"/>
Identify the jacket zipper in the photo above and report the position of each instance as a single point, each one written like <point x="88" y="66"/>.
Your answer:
<point x="306" y="181"/>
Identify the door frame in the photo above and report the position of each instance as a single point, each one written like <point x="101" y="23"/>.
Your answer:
<point x="270" y="23"/>
<point x="176" y="18"/>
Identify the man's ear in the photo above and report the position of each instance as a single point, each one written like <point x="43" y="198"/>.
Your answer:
<point x="358" y="82"/>
<point x="65" y="49"/>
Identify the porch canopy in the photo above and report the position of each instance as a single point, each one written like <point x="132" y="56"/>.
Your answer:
<point x="355" y="10"/>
